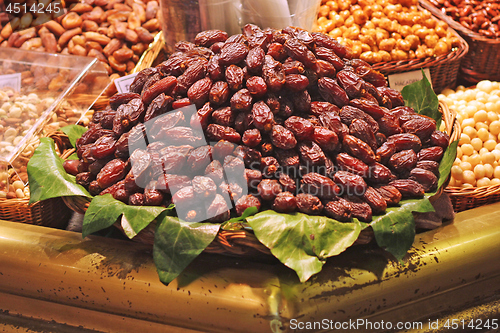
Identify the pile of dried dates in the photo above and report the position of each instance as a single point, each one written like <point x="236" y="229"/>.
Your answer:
<point x="274" y="119"/>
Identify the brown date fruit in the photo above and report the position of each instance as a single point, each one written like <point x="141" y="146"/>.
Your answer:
<point x="218" y="132"/>
<point x="214" y="69"/>
<point x="143" y="76"/>
<point x="234" y="77"/>
<point x="421" y="126"/>
<point x="309" y="204"/>
<point x="209" y="37"/>
<point x="390" y="194"/>
<point x="326" y="139"/>
<point x="84" y="178"/>
<point x="256" y="86"/>
<point x="165" y="85"/>
<point x="164" y="123"/>
<point x="201" y="118"/>
<point x="372" y="108"/>
<point x="385" y="151"/>
<point x="318" y="108"/>
<point x="298" y="51"/>
<point x="123" y="98"/>
<point x="253" y="177"/>
<point x="241" y="100"/>
<point x="199" y="92"/>
<point x="180" y="103"/>
<point x="118" y="191"/>
<point x="403" y="161"/>
<point x="388" y="125"/>
<point x="375" y="200"/>
<point x="263" y="118"/>
<point x="204" y="187"/>
<point x="136" y="199"/>
<point x="361" y="211"/>
<point x="104" y="147"/>
<point x="332" y="92"/>
<point x="224" y="116"/>
<point x="106" y="119"/>
<point x="170" y="162"/>
<point x="349" y="113"/>
<point x="351" y="83"/>
<point x="408" y="188"/>
<point x="367" y="73"/>
<point x="379" y="174"/>
<point x="273" y="74"/>
<point x="329" y="55"/>
<point x="71" y="166"/>
<point x="222" y="149"/>
<point x="381" y="138"/>
<point x="319" y="185"/>
<point x="432" y="166"/>
<point x="351" y="164"/>
<point x="339" y="210"/>
<point x="114" y="171"/>
<point x="440" y="139"/>
<point x="255" y="60"/>
<point x="158" y="106"/>
<point x="302" y="128"/>
<point x="268" y="189"/>
<point x="285" y="202"/>
<point x="360" y="129"/>
<point x="311" y="154"/>
<point x="277" y="51"/>
<point x="332" y="121"/>
<point x="288" y="159"/>
<point x="219" y="93"/>
<point x="394" y="97"/>
<point x="194" y="72"/>
<point x="140" y="161"/>
<point x="293" y="67"/>
<point x="269" y="166"/>
<point x="350" y="183"/>
<point x="94" y="188"/>
<point x="181" y="135"/>
<point x="358" y="148"/>
<point x="282" y="138"/>
<point x="245" y="202"/>
<point x="296" y="82"/>
<point x="287" y="183"/>
<point x="152" y="197"/>
<point x="424" y="177"/>
<point x="430" y="154"/>
<point x="199" y="158"/>
<point x="217" y="210"/>
<point x="232" y="53"/>
<point x="323" y="40"/>
<point x="251" y="137"/>
<point x="92" y="134"/>
<point x="171" y="183"/>
<point x="215" y="171"/>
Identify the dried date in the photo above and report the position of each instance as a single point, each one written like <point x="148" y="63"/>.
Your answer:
<point x="309" y="204"/>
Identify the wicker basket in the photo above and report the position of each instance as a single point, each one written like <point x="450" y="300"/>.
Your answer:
<point x="482" y="62"/>
<point x="242" y="242"/>
<point x="444" y="68"/>
<point x="50" y="213"/>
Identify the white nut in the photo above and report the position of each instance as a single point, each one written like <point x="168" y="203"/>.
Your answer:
<point x="10" y="132"/>
<point x="15" y="112"/>
<point x="18" y="185"/>
<point x="19" y="193"/>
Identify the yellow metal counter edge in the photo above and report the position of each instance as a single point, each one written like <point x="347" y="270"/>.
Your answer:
<point x="111" y="285"/>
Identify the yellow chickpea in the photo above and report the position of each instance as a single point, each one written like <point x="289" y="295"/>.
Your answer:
<point x="431" y="40"/>
<point x="398" y="55"/>
<point x="405" y="19"/>
<point x="344" y="5"/>
<point x="386" y="56"/>
<point x="354" y="8"/>
<point x="403" y="45"/>
<point x="404" y="30"/>
<point x="422" y="33"/>
<point x="385" y="24"/>
<point x="359" y="17"/>
<point x="440" y="31"/>
<point x="396" y="36"/>
<point x="430" y="23"/>
<point x="442" y="24"/>
<point x="324" y="10"/>
<point x="367" y="56"/>
<point x="370" y="25"/>
<point x="345" y="14"/>
<point x="333" y="6"/>
<point x="366" y="47"/>
<point x="349" y="22"/>
<point x="356" y="50"/>
<point x="441" y="48"/>
<point x="368" y="11"/>
<point x="337" y="32"/>
<point x="387" y="44"/>
<point x="413" y="40"/>
<point x="366" y="39"/>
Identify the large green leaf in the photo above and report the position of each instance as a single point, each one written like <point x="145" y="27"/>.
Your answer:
<point x="303" y="242"/>
<point x="47" y="177"/>
<point x="104" y="210"/>
<point x="177" y="243"/>
<point x="447" y="162"/>
<point x="420" y="96"/>
<point x="73" y="132"/>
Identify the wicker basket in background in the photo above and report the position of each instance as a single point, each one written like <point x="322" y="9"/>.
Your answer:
<point x="444" y="68"/>
<point x="482" y="62"/>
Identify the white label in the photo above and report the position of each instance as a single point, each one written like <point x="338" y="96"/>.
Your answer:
<point x="12" y="81"/>
<point x="123" y="83"/>
<point x="400" y="80"/>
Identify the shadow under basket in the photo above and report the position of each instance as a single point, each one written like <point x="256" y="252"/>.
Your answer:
<point x="482" y="62"/>
<point x="444" y="68"/>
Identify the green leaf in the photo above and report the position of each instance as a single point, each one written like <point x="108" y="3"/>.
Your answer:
<point x="446" y="163"/>
<point x="236" y="223"/>
<point x="104" y="210"/>
<point x="303" y="242"/>
<point x="73" y="132"/>
<point x="47" y="177"/>
<point x="177" y="243"/>
<point x="420" y="96"/>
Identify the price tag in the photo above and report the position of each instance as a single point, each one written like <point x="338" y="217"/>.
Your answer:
<point x="123" y="83"/>
<point x="12" y="81"/>
<point x="400" y="80"/>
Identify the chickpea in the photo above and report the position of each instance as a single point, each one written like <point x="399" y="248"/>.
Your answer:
<point x="349" y="22"/>
<point x="356" y="50"/>
<point x="324" y="10"/>
<point x="387" y="44"/>
<point x="441" y="48"/>
<point x="351" y="33"/>
<point x="366" y="47"/>
<point x="447" y="41"/>
<point x="429" y="52"/>
<point x="422" y="33"/>
<point x="328" y="25"/>
<point x="337" y="32"/>
<point x="415" y="27"/>
<point x="321" y="21"/>
<point x="354" y="8"/>
<point x="345" y="14"/>
<point x="440" y="31"/>
<point x="404" y="30"/>
<point x="413" y="40"/>
<point x="431" y="40"/>
<point x="405" y="19"/>
<point x="333" y="6"/>
<point x="367" y="39"/>
<point x="359" y="17"/>
<point x="403" y="45"/>
<point x="442" y="24"/>
<point x="398" y="55"/>
<point x="386" y="56"/>
<point x="370" y="25"/>
<point x="368" y="11"/>
<point x="367" y="56"/>
<point x="411" y="54"/>
<point x="385" y="24"/>
<point x="396" y="36"/>
<point x="430" y="23"/>
<point x="380" y="35"/>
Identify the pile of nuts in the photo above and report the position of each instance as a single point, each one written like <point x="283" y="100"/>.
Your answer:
<point x="116" y="32"/>
<point x="478" y="154"/>
<point x="482" y="17"/>
<point x="385" y="30"/>
<point x="292" y="124"/>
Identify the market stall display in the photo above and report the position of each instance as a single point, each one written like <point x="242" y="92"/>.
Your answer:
<point x="478" y="24"/>
<point x="476" y="171"/>
<point x="283" y="138"/>
<point x="395" y="37"/>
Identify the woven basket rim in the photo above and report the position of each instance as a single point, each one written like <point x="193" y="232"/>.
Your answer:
<point x="456" y="25"/>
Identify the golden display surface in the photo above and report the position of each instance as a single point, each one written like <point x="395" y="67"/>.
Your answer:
<point x="52" y="280"/>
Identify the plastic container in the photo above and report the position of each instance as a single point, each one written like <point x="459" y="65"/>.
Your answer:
<point x="44" y="82"/>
